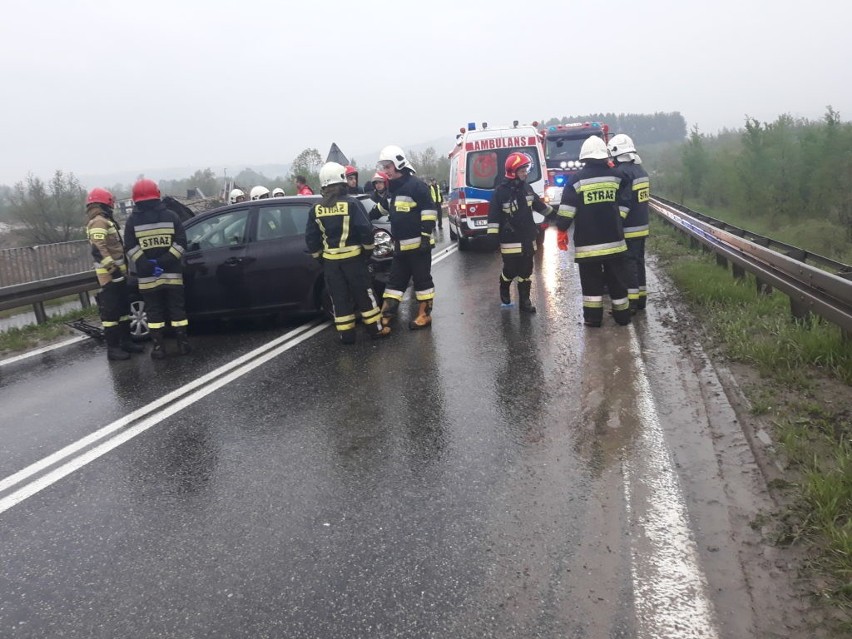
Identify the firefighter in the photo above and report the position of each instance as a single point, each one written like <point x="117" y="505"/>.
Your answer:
<point x="438" y="199"/>
<point x="597" y="201"/>
<point x="412" y="218"/>
<point x="352" y="180"/>
<point x="510" y="220"/>
<point x="636" y="227"/>
<point x="340" y="236"/>
<point x="379" y="195"/>
<point x="103" y="234"/>
<point x="236" y="196"/>
<point x="259" y="193"/>
<point x="278" y="192"/>
<point x="157" y="242"/>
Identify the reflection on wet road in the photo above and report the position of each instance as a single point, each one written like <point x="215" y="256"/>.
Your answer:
<point x="500" y="475"/>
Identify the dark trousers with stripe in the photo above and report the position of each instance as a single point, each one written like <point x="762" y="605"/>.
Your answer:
<point x="165" y="302"/>
<point x="113" y="303"/>
<point x="611" y="272"/>
<point x="518" y="265"/>
<point x="636" y="286"/>
<point x="348" y="283"/>
<point x="411" y="265"/>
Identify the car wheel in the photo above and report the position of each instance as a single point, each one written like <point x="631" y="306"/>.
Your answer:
<point x="139" y="330"/>
<point x="453" y="235"/>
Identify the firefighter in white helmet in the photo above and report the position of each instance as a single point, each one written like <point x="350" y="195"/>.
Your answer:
<point x="596" y="203"/>
<point x="259" y="193"/>
<point x="412" y="218"/>
<point x="636" y="227"/>
<point x="340" y="236"/>
<point x="278" y="192"/>
<point x="236" y="196"/>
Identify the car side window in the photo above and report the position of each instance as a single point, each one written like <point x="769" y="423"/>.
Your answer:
<point x="281" y="221"/>
<point x="226" y="229"/>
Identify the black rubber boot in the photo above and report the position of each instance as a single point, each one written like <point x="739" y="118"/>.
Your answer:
<point x="127" y="343"/>
<point x="182" y="342"/>
<point x="505" y="294"/>
<point x="347" y="337"/>
<point x="159" y="350"/>
<point x="524" y="303"/>
<point x="113" y="340"/>
<point x="390" y="308"/>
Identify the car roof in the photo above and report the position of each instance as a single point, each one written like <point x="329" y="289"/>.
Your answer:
<point x="272" y="201"/>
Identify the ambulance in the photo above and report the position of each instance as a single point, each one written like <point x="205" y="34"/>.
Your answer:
<point x="477" y="167"/>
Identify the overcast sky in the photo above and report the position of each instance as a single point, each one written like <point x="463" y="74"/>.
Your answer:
<point x="97" y="86"/>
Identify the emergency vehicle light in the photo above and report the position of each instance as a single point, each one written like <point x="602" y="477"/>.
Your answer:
<point x="471" y="126"/>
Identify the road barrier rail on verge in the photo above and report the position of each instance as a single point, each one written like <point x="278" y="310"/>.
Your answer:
<point x="823" y="288"/>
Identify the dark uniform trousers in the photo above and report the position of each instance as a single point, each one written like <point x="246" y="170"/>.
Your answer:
<point x="518" y="265"/>
<point x="417" y="265"/>
<point x="165" y="300"/>
<point x="113" y="303"/>
<point x="636" y="285"/>
<point x="611" y="272"/>
<point x="343" y="276"/>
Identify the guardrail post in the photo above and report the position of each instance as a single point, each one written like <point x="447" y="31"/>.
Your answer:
<point x="41" y="315"/>
<point x="85" y="300"/>
<point x="721" y="261"/>
<point x="738" y="271"/>
<point x="800" y="311"/>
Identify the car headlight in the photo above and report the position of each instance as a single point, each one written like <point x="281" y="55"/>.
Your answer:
<point x="383" y="243"/>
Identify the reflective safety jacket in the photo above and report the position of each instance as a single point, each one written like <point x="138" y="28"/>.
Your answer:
<point x="154" y="232"/>
<point x="103" y="234"/>
<point x="437" y="196"/>
<point x="596" y="201"/>
<point x="510" y="215"/>
<point x="636" y="223"/>
<point x="411" y="211"/>
<point x="339" y="231"/>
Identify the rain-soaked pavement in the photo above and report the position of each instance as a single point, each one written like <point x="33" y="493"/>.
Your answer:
<point x="499" y="475"/>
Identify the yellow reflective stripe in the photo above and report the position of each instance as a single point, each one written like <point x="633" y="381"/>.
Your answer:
<point x="393" y="294"/>
<point x="346" y="327"/>
<point x="342" y="254"/>
<point x="163" y="230"/>
<point x="177" y="254"/>
<point x="371" y="313"/>
<point x="108" y="324"/>
<point x="179" y="323"/>
<point x="428" y="217"/>
<point x="426" y="294"/>
<point x="344" y="235"/>
<point x="345" y="318"/>
<point x="156" y="325"/>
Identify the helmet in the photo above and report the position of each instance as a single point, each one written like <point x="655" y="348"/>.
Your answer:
<point x="332" y="173"/>
<point x="515" y="161"/>
<point x="395" y="154"/>
<point x="145" y="190"/>
<point x="259" y="193"/>
<point x="351" y="170"/>
<point x="379" y="177"/>
<point x="278" y="192"/>
<point x="100" y="196"/>
<point x="594" y="148"/>
<point x="234" y="195"/>
<point x="621" y="144"/>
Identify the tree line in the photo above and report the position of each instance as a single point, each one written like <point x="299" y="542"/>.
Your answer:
<point x="787" y="172"/>
<point x="52" y="211"/>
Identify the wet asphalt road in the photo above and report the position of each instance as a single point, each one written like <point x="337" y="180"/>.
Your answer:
<point x="499" y="475"/>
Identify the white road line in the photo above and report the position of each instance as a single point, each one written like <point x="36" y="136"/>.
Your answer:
<point x="39" y="351"/>
<point x="669" y="588"/>
<point x="176" y="394"/>
<point x="167" y="405"/>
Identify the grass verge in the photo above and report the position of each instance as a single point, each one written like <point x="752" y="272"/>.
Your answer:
<point x="20" y="339"/>
<point x="804" y="391"/>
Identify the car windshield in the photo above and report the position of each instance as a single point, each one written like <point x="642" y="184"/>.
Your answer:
<point x="485" y="168"/>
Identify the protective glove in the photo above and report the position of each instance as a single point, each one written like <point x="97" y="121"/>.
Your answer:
<point x="426" y="243"/>
<point x="562" y="240"/>
<point x="158" y="270"/>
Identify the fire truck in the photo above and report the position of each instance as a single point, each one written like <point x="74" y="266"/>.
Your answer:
<point x="562" y="144"/>
<point x="477" y="167"/>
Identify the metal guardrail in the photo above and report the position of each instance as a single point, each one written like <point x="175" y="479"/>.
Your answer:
<point x="811" y="289"/>
<point x="34" y="263"/>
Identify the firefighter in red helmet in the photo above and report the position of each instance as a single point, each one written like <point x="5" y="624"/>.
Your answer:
<point x="104" y="237"/>
<point x="352" y="186"/>
<point x="157" y="241"/>
<point x="510" y="221"/>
